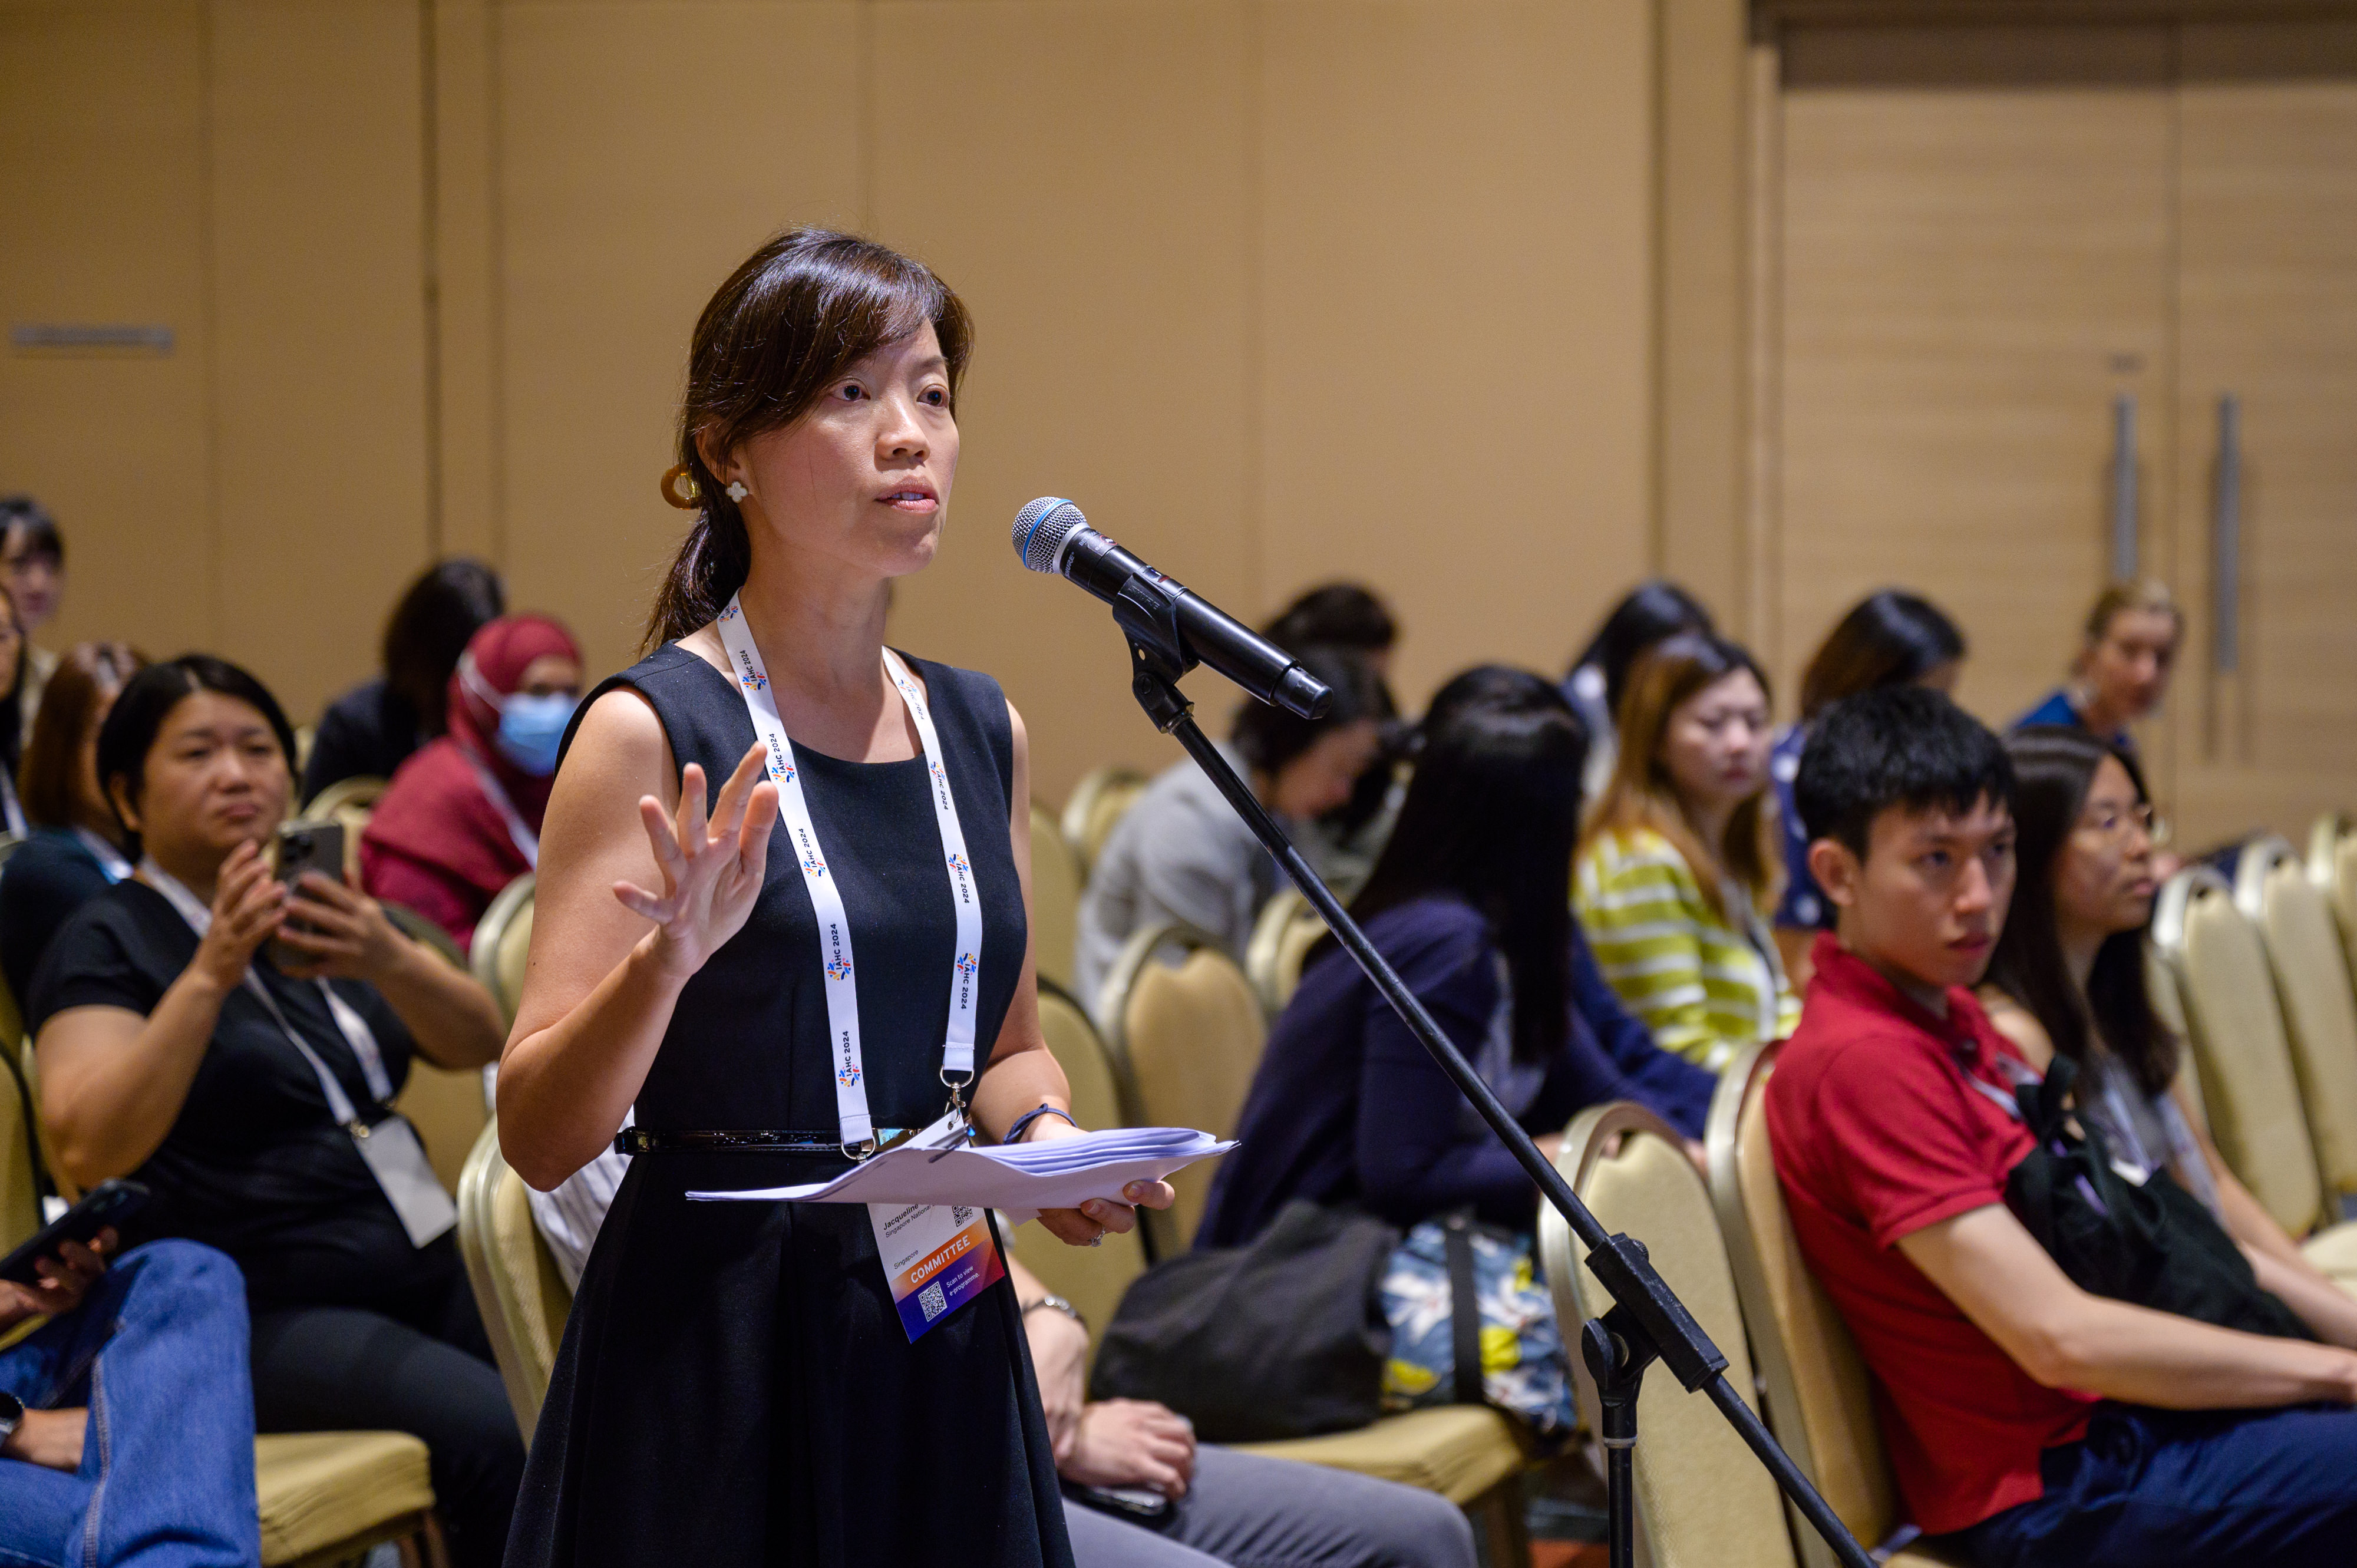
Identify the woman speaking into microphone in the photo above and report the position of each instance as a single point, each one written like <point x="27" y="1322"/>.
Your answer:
<point x="739" y="1383"/>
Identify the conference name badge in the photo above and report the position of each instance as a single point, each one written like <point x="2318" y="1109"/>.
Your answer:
<point x="937" y="1257"/>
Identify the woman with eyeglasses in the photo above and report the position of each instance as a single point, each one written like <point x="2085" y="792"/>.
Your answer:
<point x="2067" y="979"/>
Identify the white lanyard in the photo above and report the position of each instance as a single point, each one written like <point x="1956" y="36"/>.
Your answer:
<point x="110" y="859"/>
<point x="527" y="842"/>
<point x="859" y="1129"/>
<point x="355" y="1029"/>
<point x="13" y="813"/>
<point x="389" y="1147"/>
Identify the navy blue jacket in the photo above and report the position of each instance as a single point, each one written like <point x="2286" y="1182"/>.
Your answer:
<point x="1347" y="1108"/>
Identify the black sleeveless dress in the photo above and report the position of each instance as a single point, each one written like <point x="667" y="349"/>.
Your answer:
<point x="735" y="1386"/>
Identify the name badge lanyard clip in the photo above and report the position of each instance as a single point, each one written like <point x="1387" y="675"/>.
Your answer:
<point x="390" y="1149"/>
<point x="935" y="1257"/>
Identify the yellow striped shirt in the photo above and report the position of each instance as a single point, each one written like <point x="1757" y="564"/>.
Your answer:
<point x="1706" y="989"/>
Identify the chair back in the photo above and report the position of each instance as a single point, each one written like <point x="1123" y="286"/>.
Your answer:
<point x="2312" y="985"/>
<point x="1281" y="940"/>
<point x="20" y="1175"/>
<point x="348" y="802"/>
<point x="1185" y="1037"/>
<point x="1099" y="800"/>
<point x="448" y="1107"/>
<point x="2250" y="1089"/>
<point x="2332" y="867"/>
<point x="1820" y="1396"/>
<point x="1055" y="898"/>
<point x="1703" y="1501"/>
<point x="501" y="945"/>
<point x="522" y="1297"/>
<point x="1091" y="1278"/>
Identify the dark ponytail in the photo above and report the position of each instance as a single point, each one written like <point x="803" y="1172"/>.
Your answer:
<point x="800" y="312"/>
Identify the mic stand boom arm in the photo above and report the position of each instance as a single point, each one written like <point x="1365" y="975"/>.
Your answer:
<point x="1648" y="1320"/>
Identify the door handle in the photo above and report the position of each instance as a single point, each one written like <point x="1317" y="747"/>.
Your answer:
<point x="2124" y="488"/>
<point x="2226" y="542"/>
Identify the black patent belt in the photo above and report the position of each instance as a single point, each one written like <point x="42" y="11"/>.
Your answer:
<point x="749" y="1140"/>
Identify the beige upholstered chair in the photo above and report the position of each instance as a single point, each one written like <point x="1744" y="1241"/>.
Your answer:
<point x="523" y="1298"/>
<point x="1820" y="1395"/>
<point x="2249" y="1086"/>
<point x="2169" y="1006"/>
<point x="2319" y="1008"/>
<point x="501" y="944"/>
<point x="347" y="802"/>
<point x="1091" y="1278"/>
<point x="1055" y="898"/>
<point x="2332" y="867"/>
<point x="328" y="1496"/>
<point x="448" y="1111"/>
<point x="21" y="1189"/>
<point x="1281" y="940"/>
<point x="1185" y="1032"/>
<point x="1470" y="1455"/>
<point x="1703" y="1501"/>
<point x="1099" y="800"/>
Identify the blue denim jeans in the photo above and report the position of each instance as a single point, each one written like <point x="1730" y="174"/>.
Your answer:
<point x="2150" y="1488"/>
<point x="157" y="1352"/>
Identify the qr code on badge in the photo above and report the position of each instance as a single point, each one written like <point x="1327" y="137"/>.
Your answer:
<point x="931" y="1301"/>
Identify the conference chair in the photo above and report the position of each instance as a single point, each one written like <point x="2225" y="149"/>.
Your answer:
<point x="1091" y="1278"/>
<point x="2319" y="1008"/>
<point x="2332" y="867"/>
<point x="2169" y="1006"/>
<point x="1281" y="940"/>
<point x="2249" y="1084"/>
<point x="1185" y="1033"/>
<point x="348" y="803"/>
<point x="1055" y="897"/>
<point x="1702" y="1500"/>
<point x="501" y="944"/>
<point x="325" y="1497"/>
<point x="523" y="1298"/>
<point x="1820" y="1397"/>
<point x="1098" y="801"/>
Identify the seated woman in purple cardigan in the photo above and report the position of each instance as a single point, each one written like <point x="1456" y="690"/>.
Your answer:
<point x="1471" y="903"/>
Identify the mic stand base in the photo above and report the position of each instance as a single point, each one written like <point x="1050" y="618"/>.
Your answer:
<point x="1648" y="1321"/>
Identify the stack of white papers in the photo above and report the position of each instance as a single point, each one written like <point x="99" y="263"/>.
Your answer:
<point x="1021" y="1179"/>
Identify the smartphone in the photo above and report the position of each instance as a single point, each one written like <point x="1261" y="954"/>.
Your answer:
<point x="305" y="846"/>
<point x="1142" y="1503"/>
<point x="108" y="1203"/>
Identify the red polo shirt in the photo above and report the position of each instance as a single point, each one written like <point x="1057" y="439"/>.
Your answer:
<point x="1877" y="1133"/>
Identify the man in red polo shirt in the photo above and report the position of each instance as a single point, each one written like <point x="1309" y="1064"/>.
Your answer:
<point x="2039" y="1423"/>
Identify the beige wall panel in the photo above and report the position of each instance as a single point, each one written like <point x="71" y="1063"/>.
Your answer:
<point x="1456" y="209"/>
<point x="1975" y="259"/>
<point x="1083" y="179"/>
<point x="2268" y="194"/>
<point x="463" y="325"/>
<point x="645" y="151"/>
<point x="1703" y="129"/>
<point x="103" y="179"/>
<point x="319" y="203"/>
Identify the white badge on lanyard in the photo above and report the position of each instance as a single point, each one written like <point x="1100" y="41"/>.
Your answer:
<point x="390" y="1149"/>
<point x="926" y="1250"/>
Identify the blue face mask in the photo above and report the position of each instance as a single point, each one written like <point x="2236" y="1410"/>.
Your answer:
<point x="530" y="729"/>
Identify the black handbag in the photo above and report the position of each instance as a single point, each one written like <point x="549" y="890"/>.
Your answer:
<point x="2152" y="1243"/>
<point x="1282" y="1337"/>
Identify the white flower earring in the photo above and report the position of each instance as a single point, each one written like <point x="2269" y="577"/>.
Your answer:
<point x="737" y="491"/>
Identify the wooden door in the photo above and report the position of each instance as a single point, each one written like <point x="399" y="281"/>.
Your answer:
<point x="2268" y="316"/>
<point x="1974" y="263"/>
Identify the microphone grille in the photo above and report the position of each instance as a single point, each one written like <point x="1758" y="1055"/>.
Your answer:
<point x="1042" y="529"/>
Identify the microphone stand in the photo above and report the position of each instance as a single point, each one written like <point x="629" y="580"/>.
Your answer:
<point x="1647" y="1321"/>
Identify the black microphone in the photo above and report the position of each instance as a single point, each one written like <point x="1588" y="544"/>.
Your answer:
<point x="1051" y="536"/>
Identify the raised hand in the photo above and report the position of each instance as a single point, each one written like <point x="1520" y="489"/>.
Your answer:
<point x="712" y="868"/>
<point x="247" y="905"/>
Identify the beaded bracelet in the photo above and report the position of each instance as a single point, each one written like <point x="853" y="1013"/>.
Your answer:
<point x="1023" y="1122"/>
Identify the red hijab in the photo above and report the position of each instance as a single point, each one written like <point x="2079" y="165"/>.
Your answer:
<point x="436" y="814"/>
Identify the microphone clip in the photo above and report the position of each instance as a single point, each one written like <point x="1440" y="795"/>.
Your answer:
<point x="1147" y="612"/>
